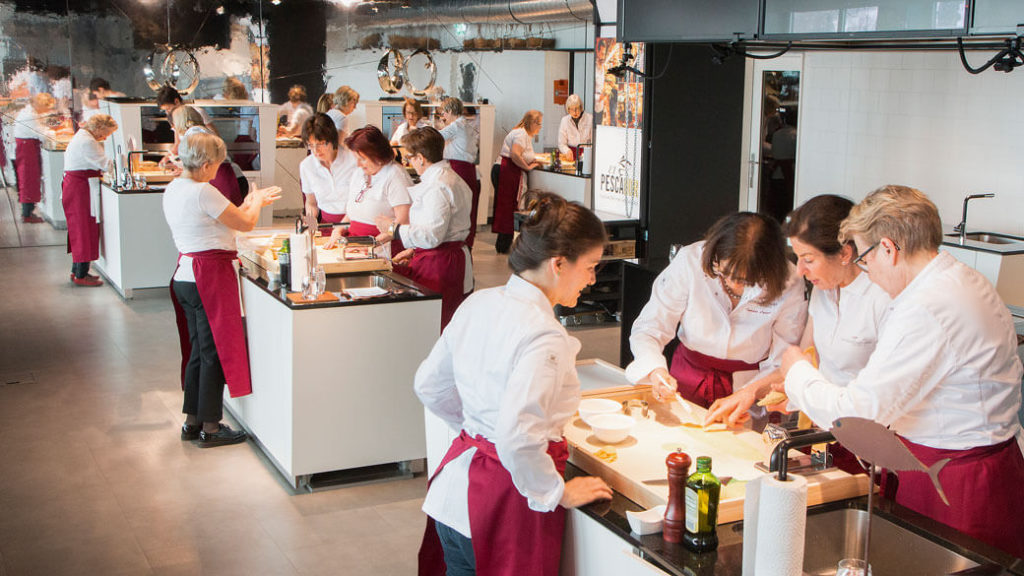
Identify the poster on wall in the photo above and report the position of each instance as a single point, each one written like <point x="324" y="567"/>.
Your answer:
<point x="618" y="119"/>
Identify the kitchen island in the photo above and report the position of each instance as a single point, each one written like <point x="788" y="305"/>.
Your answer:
<point x="333" y="381"/>
<point x="51" y="208"/>
<point x="564" y="182"/>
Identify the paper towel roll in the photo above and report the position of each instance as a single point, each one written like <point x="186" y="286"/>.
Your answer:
<point x="299" y="245"/>
<point x="777" y="545"/>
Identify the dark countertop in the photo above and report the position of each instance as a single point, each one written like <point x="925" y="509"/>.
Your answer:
<point x="727" y="560"/>
<point x="401" y="289"/>
<point x="157" y="189"/>
<point x="950" y="238"/>
<point x="561" y="172"/>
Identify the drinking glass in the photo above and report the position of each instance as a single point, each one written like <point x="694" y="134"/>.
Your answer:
<point x="321" y="280"/>
<point x="853" y="567"/>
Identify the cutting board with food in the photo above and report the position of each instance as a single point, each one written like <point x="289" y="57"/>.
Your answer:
<point x="265" y="246"/>
<point x="635" y="466"/>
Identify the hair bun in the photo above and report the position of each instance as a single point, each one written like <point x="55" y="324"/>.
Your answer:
<point x="538" y="204"/>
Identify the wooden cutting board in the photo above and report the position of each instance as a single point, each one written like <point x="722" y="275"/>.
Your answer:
<point x="641" y="456"/>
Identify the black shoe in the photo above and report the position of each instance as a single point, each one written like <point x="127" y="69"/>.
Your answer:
<point x="225" y="436"/>
<point x="190" y="431"/>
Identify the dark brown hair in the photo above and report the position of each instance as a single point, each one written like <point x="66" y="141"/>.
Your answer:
<point x="319" y="126"/>
<point x="372" y="143"/>
<point x="555" y="227"/>
<point x="816" y="222"/>
<point x="411" y="103"/>
<point x="748" y="247"/>
<point x="426" y="141"/>
<point x="167" y="95"/>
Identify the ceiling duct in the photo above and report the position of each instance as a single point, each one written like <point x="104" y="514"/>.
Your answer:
<point x="474" y="12"/>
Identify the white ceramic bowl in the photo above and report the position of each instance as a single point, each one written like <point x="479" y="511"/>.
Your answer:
<point x="647" y="521"/>
<point x="612" y="428"/>
<point x="591" y="407"/>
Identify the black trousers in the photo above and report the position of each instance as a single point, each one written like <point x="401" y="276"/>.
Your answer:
<point x="80" y="269"/>
<point x="27" y="208"/>
<point x="204" y="377"/>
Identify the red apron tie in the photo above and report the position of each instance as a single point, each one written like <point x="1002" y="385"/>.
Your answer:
<point x="703" y="379"/>
<point x="506" y="197"/>
<point x="509" y="539"/>
<point x="442" y="269"/>
<point x="467" y="172"/>
<point x="217" y="283"/>
<point x="28" y="165"/>
<point x="983" y="485"/>
<point x="83" y="230"/>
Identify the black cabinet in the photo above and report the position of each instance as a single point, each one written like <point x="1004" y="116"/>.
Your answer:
<point x="602" y="301"/>
<point x="687" y="20"/>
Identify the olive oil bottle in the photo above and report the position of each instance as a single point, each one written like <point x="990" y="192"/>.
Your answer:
<point x="702" y="492"/>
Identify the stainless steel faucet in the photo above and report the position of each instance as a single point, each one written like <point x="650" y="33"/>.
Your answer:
<point x="961" y="228"/>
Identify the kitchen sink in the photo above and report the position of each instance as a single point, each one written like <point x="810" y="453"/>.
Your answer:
<point x="989" y="238"/>
<point x="837" y="534"/>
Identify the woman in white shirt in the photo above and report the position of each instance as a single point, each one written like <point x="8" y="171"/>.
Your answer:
<point x="438" y="224"/>
<point x="345" y="101"/>
<point x="576" y="127"/>
<point x="504" y="373"/>
<point x="326" y="174"/>
<point x="517" y="158"/>
<point x="84" y="163"/>
<point x="413" y="114"/>
<point x="460" y="148"/>
<point x="29" y="132"/>
<point x="944" y="375"/>
<point x="295" y="112"/>
<point x="204" y="289"/>
<point x="379" y="188"/>
<point x="734" y="302"/>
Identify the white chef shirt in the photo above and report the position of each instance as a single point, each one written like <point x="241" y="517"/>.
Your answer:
<point x="504" y="369"/>
<point x="571" y="134"/>
<point x="85" y="153"/>
<point x="518" y="136"/>
<point x="403" y="129"/>
<point x="28" y="125"/>
<point x="388" y="188"/>
<point x="845" y="322"/>
<point x="330" y="187"/>
<point x="338" y="117"/>
<point x="296" y="114"/>
<point x="945" y="372"/>
<point x="191" y="209"/>
<point x="460" y="140"/>
<point x="684" y="296"/>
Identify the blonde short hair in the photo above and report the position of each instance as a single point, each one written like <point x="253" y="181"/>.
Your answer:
<point x="99" y="123"/>
<point x="344" y="96"/>
<point x="903" y="214"/>
<point x="452" y="105"/>
<point x="297" y="93"/>
<point x="530" y="120"/>
<point x="573" y="101"/>
<point x="234" y="89"/>
<point x="42" y="101"/>
<point x="198" y="147"/>
<point x="185" y="117"/>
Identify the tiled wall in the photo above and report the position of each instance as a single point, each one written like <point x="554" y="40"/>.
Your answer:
<point x="874" y="118"/>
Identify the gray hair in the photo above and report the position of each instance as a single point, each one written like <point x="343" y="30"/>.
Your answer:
<point x="452" y="106"/>
<point x="100" y="123"/>
<point x="344" y="95"/>
<point x="573" y="101"/>
<point x="198" y="147"/>
<point x="185" y="117"/>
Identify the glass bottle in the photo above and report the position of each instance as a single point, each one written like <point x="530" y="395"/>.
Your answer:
<point x="284" y="262"/>
<point x="702" y="492"/>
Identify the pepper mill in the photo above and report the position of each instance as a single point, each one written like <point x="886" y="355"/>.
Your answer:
<point x="678" y="464"/>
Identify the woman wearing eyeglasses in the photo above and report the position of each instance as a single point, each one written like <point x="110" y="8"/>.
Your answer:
<point x="326" y="174"/>
<point x="944" y="375"/>
<point x="438" y="224"/>
<point x="379" y="188"/>
<point x="846" y="308"/>
<point x="734" y="302"/>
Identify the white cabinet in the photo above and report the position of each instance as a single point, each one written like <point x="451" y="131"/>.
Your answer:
<point x="590" y="549"/>
<point x="1004" y="271"/>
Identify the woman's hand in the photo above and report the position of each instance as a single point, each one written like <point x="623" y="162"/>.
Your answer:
<point x="265" y="196"/>
<point x="663" y="385"/>
<point x="336" y="233"/>
<point x="383" y="222"/>
<point x="584" y="490"/>
<point x="791" y="356"/>
<point x="403" y="256"/>
<point x="733" y="409"/>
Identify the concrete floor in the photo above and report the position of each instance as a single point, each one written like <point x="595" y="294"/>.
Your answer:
<point x="93" y="476"/>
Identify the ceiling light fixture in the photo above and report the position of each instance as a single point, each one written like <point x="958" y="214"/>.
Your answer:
<point x="275" y="2"/>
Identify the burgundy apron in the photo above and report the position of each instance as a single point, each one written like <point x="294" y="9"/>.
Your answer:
<point x="363" y="229"/>
<point x="217" y="282"/>
<point x="575" y="152"/>
<point x="703" y="379"/>
<point x="468" y="173"/>
<point x="329" y="218"/>
<point x="244" y="161"/>
<point x="509" y="539"/>
<point x="28" y="165"/>
<point x="442" y="269"/>
<point x="83" y="230"/>
<point x="983" y="485"/>
<point x="227" y="183"/>
<point x="506" y="197"/>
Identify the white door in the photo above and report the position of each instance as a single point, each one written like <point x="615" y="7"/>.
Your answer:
<point x="775" y="107"/>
